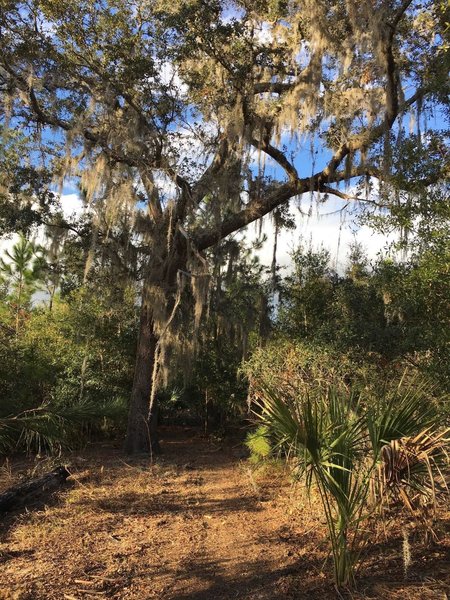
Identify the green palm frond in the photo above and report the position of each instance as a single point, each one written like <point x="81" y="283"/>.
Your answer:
<point x="259" y="444"/>
<point x="347" y="447"/>
<point x="406" y="412"/>
<point x="50" y="427"/>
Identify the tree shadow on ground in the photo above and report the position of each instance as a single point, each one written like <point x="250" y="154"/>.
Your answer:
<point x="135" y="503"/>
<point x="302" y="580"/>
<point x="295" y="573"/>
<point x="202" y="578"/>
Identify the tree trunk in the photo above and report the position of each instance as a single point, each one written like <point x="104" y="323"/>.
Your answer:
<point x="142" y="417"/>
<point x="141" y="431"/>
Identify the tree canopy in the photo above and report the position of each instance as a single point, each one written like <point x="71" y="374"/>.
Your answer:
<point x="183" y="123"/>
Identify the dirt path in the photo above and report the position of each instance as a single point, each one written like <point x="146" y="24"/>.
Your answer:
<point x="223" y="530"/>
<point x="194" y="525"/>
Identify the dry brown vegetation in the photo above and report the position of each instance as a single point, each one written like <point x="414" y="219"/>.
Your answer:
<point x="197" y="524"/>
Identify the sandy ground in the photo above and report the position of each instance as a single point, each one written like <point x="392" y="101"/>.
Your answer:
<point x="196" y="524"/>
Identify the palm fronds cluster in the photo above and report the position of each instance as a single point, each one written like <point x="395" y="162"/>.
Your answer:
<point x="48" y="428"/>
<point x="358" y="453"/>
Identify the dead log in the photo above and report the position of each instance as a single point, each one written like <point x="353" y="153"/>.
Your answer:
<point x="18" y="494"/>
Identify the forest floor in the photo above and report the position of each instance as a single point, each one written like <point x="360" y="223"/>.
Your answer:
<point x="195" y="524"/>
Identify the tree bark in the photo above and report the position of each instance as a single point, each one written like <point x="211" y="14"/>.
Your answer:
<point x="141" y="431"/>
<point x="142" y="415"/>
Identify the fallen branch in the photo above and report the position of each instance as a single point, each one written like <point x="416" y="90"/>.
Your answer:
<point x="17" y="494"/>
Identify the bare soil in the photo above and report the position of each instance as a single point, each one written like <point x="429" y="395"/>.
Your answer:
<point x="198" y="523"/>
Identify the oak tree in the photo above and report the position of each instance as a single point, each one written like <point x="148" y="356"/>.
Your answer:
<point x="171" y="117"/>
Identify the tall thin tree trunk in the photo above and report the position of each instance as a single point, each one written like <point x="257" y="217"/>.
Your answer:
<point x="19" y="300"/>
<point x="141" y="431"/>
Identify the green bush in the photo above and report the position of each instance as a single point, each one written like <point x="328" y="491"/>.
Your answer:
<point x="67" y="373"/>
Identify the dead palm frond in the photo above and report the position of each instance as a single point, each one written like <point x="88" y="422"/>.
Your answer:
<point x="410" y="468"/>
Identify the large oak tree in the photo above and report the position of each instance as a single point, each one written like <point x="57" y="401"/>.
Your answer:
<point x="170" y="113"/>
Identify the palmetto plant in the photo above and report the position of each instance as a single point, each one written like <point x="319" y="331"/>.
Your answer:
<point x="48" y="428"/>
<point x="358" y="453"/>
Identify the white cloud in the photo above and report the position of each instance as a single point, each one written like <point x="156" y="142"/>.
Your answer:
<point x="169" y="75"/>
<point x="320" y="229"/>
<point x="71" y="204"/>
<point x="264" y="33"/>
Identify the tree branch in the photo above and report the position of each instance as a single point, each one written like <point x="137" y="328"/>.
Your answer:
<point x="277" y="155"/>
<point x="364" y="139"/>
<point x="272" y="87"/>
<point x="46" y="118"/>
<point x="253" y="211"/>
<point x="153" y="203"/>
<point x="219" y="160"/>
<point x="259" y="207"/>
<point x="399" y="14"/>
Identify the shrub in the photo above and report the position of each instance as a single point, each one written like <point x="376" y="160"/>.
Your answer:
<point x="359" y="452"/>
